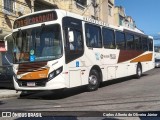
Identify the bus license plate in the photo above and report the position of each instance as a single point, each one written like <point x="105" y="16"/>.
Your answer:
<point x="31" y="84"/>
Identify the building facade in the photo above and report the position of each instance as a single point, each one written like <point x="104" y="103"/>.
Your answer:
<point x="121" y="19"/>
<point x="97" y="9"/>
<point x="9" y="10"/>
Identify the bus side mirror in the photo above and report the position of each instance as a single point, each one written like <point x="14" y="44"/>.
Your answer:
<point x="71" y="36"/>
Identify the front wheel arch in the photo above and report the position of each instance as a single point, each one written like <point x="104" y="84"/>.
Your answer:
<point x="93" y="80"/>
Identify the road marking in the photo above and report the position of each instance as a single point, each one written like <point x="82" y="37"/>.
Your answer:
<point x="57" y="106"/>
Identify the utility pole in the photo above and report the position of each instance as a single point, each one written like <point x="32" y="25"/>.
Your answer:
<point x="32" y="6"/>
<point x="95" y="5"/>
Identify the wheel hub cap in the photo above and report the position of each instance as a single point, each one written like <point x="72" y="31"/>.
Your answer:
<point x="93" y="80"/>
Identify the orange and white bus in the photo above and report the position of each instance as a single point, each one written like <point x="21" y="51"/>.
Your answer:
<point x="55" y="49"/>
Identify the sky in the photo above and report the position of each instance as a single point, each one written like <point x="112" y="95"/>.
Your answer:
<point x="145" y="13"/>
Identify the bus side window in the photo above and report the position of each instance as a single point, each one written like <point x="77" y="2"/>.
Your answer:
<point x="144" y="44"/>
<point x="130" y="42"/>
<point x="138" y="44"/>
<point x="108" y="38"/>
<point x="93" y="36"/>
<point x="120" y="40"/>
<point x="71" y="39"/>
<point x="73" y="44"/>
<point x="76" y="43"/>
<point x="150" y="44"/>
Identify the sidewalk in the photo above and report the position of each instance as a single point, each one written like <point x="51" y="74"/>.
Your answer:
<point x="7" y="93"/>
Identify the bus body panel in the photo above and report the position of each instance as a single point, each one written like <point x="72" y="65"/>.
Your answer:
<point x="113" y="63"/>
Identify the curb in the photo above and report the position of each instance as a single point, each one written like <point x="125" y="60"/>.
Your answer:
<point x="9" y="93"/>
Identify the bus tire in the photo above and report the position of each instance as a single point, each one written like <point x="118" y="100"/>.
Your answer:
<point x="25" y="93"/>
<point x="138" y="71"/>
<point x="93" y="80"/>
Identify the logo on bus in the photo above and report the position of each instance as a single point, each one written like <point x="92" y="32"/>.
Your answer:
<point x="97" y="56"/>
<point x="113" y="56"/>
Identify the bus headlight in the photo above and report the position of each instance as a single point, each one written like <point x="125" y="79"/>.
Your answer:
<point x="55" y="73"/>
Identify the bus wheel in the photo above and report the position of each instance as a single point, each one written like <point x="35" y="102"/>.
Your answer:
<point x="93" y="81"/>
<point x="139" y="71"/>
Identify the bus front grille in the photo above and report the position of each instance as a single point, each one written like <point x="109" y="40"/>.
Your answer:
<point x="35" y="83"/>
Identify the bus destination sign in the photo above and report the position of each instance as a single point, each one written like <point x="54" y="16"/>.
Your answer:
<point x="34" y="19"/>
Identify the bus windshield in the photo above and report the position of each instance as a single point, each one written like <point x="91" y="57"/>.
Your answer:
<point x="37" y="44"/>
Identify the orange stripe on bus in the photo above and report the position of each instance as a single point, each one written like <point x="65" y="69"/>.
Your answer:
<point x="143" y="58"/>
<point x="36" y="75"/>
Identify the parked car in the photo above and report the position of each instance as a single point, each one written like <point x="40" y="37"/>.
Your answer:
<point x="6" y="77"/>
<point x="157" y="63"/>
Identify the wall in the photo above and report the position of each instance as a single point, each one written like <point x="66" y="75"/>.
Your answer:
<point x="121" y="19"/>
<point x="7" y="18"/>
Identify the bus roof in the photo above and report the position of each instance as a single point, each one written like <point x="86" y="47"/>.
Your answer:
<point x="88" y="19"/>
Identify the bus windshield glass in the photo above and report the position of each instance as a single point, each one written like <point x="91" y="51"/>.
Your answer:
<point x="37" y="44"/>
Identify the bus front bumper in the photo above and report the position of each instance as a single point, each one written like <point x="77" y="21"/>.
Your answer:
<point x="56" y="83"/>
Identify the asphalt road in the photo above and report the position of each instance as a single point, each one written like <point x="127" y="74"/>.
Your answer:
<point x="127" y="94"/>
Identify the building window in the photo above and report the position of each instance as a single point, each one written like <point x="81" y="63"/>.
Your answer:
<point x="39" y="5"/>
<point x="9" y="6"/>
<point x="109" y="10"/>
<point x="120" y="20"/>
<point x="81" y="3"/>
